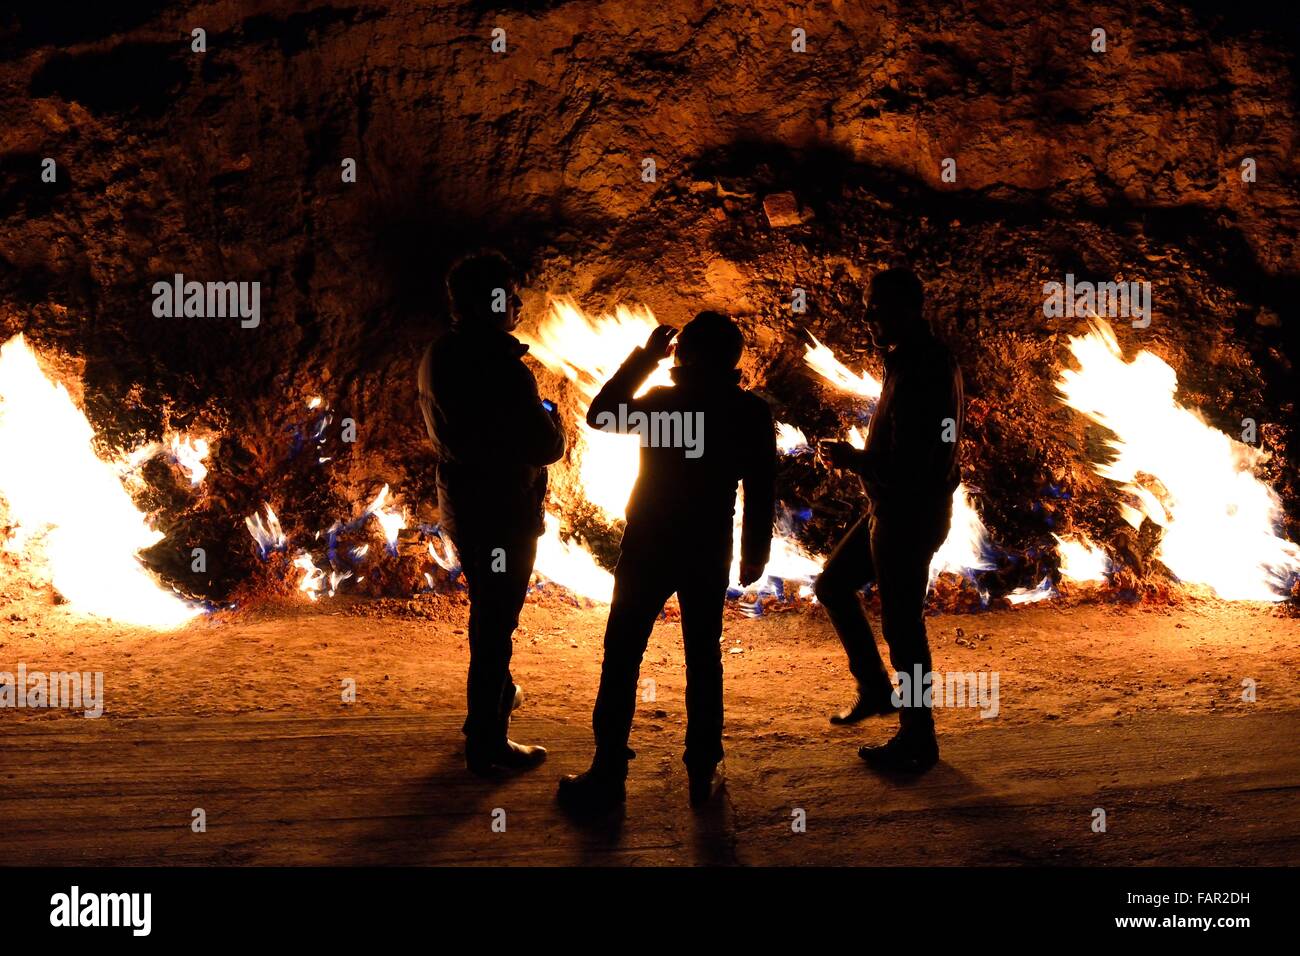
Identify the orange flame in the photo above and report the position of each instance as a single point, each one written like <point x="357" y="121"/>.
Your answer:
<point x="76" y="520"/>
<point x="1218" y="520"/>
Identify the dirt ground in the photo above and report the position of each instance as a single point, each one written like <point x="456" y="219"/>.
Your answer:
<point x="785" y="671"/>
<point x="1143" y="703"/>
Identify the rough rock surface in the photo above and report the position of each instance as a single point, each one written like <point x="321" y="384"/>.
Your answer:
<point x="226" y="165"/>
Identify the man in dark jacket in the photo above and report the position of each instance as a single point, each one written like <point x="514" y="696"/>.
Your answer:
<point x="493" y="439"/>
<point x="699" y="439"/>
<point x="909" y="470"/>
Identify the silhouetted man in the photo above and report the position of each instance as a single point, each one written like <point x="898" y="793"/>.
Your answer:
<point x="909" y="470"/>
<point x="699" y="439"/>
<point x="493" y="439"/>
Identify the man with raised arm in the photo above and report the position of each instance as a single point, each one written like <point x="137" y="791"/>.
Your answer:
<point x="700" y="438"/>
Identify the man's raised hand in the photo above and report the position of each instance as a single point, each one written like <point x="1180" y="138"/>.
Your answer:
<point x="660" y="342"/>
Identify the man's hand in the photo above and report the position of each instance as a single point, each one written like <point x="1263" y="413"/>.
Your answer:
<point x="749" y="573"/>
<point x="837" y="454"/>
<point x="660" y="342"/>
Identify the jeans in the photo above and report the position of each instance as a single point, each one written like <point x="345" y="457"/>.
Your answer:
<point x="642" y="585"/>
<point x="894" y="549"/>
<point x="497" y="573"/>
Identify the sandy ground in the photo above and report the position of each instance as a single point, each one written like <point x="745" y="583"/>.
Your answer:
<point x="1137" y="710"/>
<point x="784" y="672"/>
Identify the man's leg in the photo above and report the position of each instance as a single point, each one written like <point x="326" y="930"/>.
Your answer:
<point x="475" y="726"/>
<point x="702" y="593"/>
<point x="640" y="590"/>
<point x="497" y="572"/>
<point x="902" y="548"/>
<point x="838" y="586"/>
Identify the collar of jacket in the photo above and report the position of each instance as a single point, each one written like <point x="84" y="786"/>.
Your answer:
<point x="492" y="338"/>
<point x="696" y="375"/>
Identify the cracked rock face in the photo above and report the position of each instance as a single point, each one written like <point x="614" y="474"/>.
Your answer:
<point x="773" y="170"/>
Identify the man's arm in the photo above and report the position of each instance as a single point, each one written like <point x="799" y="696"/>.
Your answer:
<point x="759" y="482"/>
<point x="537" y="433"/>
<point x="620" y="389"/>
<point x="868" y="468"/>
<point x="627" y="381"/>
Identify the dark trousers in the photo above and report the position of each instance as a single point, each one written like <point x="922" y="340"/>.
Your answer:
<point x="498" y="583"/>
<point x="641" y="587"/>
<point x="895" y="550"/>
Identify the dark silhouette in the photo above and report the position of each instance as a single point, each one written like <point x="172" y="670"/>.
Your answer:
<point x="679" y="539"/>
<point x="909" y="471"/>
<point x="493" y="440"/>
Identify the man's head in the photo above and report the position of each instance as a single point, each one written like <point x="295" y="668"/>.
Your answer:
<point x="481" y="290"/>
<point x="710" y="340"/>
<point x="894" y="307"/>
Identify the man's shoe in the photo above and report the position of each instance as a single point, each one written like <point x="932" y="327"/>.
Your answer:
<point x="594" y="792"/>
<point x="520" y="756"/>
<point x="903" y="754"/>
<point x="518" y="697"/>
<point x="705" y="782"/>
<point x="510" y="756"/>
<point x="865" y="705"/>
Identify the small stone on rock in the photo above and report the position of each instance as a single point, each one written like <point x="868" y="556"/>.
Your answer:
<point x="782" y="210"/>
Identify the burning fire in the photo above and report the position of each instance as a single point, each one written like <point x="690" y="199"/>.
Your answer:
<point x="391" y="520"/>
<point x="587" y="351"/>
<point x="1218" y="520"/>
<point x="315" y="580"/>
<point x="75" y="519"/>
<point x="1081" y="561"/>
<point x="1191" y="480"/>
<point x="790" y="440"/>
<point x="966" y="548"/>
<point x="1044" y="591"/>
<point x="569" y="564"/>
<point x="267" y="534"/>
<point x="824" y="362"/>
<point x="190" y="455"/>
